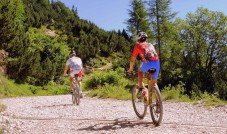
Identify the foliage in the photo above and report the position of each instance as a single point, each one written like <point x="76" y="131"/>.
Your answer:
<point x="108" y="84"/>
<point x="204" y="38"/>
<point x="38" y="58"/>
<point x="100" y="78"/>
<point x="161" y="17"/>
<point x="8" y="88"/>
<point x="138" y="20"/>
<point x="210" y="100"/>
<point x="175" y="93"/>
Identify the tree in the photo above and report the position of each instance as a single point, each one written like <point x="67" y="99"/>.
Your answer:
<point x="138" y="20"/>
<point x="13" y="38"/>
<point x="205" y="54"/>
<point x="160" y="16"/>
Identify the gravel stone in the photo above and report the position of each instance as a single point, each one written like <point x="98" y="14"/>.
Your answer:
<point x="57" y="115"/>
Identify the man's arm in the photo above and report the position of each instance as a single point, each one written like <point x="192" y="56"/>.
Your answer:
<point x="132" y="61"/>
<point x="65" y="70"/>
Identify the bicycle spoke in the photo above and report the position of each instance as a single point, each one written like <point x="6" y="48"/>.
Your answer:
<point x="139" y="103"/>
<point x="76" y="94"/>
<point x="156" y="108"/>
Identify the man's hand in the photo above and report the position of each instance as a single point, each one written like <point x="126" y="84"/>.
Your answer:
<point x="129" y="73"/>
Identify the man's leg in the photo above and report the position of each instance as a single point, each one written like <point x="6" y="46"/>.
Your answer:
<point x="71" y="83"/>
<point x="71" y="75"/>
<point x="140" y="79"/>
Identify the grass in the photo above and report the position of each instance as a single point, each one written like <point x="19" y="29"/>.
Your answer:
<point x="8" y="88"/>
<point x="1" y="131"/>
<point x="109" y="91"/>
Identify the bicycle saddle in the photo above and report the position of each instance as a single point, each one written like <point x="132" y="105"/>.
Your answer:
<point x="152" y="70"/>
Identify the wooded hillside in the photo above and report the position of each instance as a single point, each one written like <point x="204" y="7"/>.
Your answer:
<point x="193" y="52"/>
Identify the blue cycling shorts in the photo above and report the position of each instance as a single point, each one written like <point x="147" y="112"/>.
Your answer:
<point x="145" y="66"/>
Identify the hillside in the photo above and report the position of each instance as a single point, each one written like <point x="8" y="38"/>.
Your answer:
<point x="40" y="36"/>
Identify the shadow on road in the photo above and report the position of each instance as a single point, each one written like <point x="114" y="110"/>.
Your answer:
<point x="54" y="105"/>
<point x="117" y="124"/>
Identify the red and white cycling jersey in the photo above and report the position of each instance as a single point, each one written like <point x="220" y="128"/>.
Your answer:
<point x="146" y="51"/>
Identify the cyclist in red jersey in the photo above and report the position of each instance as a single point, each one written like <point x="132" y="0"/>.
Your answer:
<point x="147" y="63"/>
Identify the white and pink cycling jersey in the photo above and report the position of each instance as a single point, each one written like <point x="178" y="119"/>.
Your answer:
<point x="75" y="65"/>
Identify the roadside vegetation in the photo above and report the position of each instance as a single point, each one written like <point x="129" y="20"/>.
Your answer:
<point x="8" y="88"/>
<point x="105" y="84"/>
<point x="113" y="84"/>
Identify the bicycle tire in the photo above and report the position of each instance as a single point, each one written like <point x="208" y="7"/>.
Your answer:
<point x="73" y="96"/>
<point x="76" y="94"/>
<point x="138" y="102"/>
<point x="156" y="107"/>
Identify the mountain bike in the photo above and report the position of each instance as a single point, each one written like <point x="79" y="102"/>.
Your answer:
<point x="76" y="91"/>
<point x="153" y="99"/>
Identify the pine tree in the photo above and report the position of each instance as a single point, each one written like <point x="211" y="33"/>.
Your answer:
<point x="13" y="36"/>
<point x="160" y="16"/>
<point x="138" y="20"/>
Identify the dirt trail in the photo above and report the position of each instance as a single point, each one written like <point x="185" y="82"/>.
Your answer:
<point x="57" y="115"/>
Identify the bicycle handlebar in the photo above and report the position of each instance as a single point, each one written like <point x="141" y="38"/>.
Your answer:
<point x="129" y="74"/>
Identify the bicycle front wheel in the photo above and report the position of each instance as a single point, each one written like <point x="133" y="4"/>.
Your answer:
<point x="138" y="102"/>
<point x="156" y="107"/>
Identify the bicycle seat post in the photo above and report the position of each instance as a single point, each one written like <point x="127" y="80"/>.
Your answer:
<point x="150" y="73"/>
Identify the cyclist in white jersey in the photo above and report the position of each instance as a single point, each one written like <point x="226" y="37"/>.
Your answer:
<point x="75" y="65"/>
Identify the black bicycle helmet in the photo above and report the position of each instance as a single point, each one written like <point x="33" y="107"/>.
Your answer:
<point x="142" y="36"/>
<point x="72" y="53"/>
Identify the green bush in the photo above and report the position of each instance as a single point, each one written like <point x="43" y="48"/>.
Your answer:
<point x="100" y="78"/>
<point x="221" y="89"/>
<point x="175" y="93"/>
<point x="108" y="84"/>
<point x="196" y="94"/>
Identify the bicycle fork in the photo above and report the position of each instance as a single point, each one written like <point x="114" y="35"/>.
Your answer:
<point x="149" y="100"/>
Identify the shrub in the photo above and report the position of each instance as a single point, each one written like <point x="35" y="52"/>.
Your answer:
<point x="174" y="93"/>
<point x="100" y="78"/>
<point x="108" y="84"/>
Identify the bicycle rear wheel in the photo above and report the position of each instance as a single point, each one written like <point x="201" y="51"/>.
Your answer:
<point x="76" y="95"/>
<point x="156" y="107"/>
<point x="138" y="102"/>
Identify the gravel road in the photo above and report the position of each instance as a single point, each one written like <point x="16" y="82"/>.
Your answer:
<point x="57" y="115"/>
